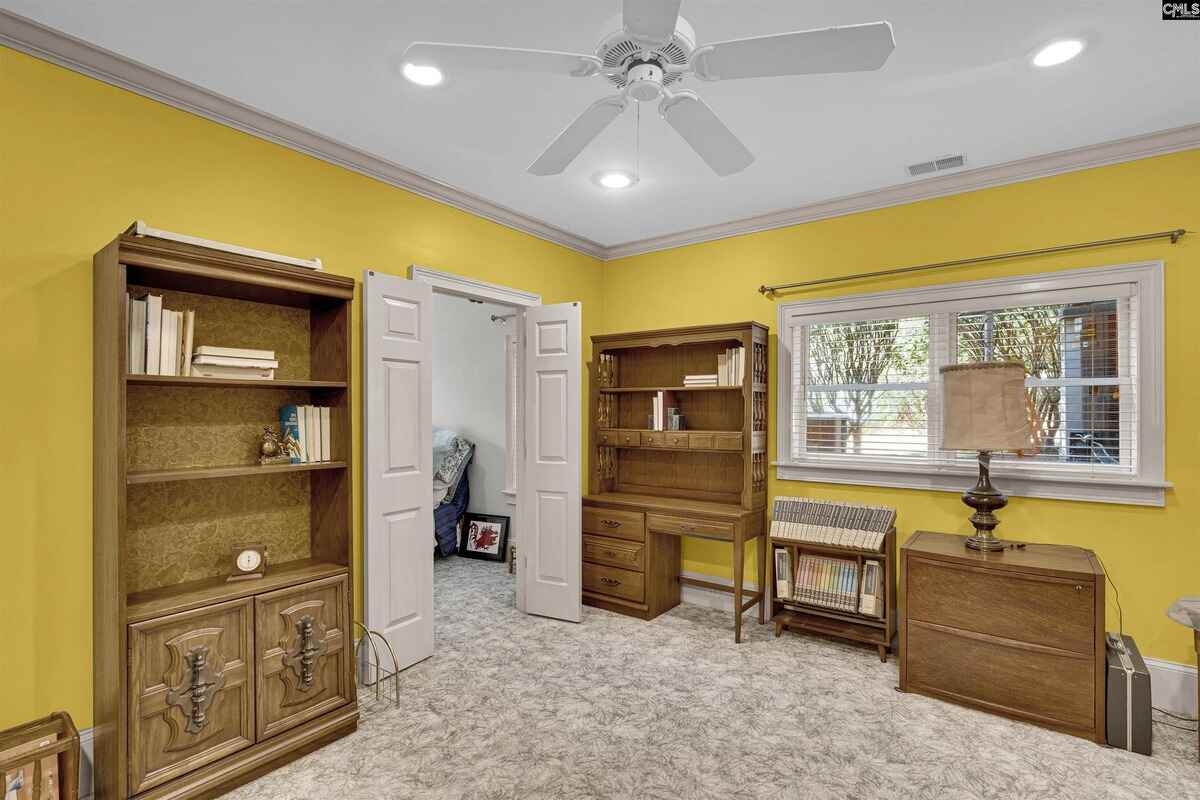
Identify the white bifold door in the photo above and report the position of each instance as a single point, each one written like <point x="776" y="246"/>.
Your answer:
<point x="398" y="455"/>
<point x="550" y="539"/>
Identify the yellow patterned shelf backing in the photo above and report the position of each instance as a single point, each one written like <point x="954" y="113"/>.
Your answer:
<point x="170" y="427"/>
<point x="224" y="322"/>
<point x="185" y="530"/>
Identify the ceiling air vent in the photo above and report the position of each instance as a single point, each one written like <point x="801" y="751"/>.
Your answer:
<point x="936" y="165"/>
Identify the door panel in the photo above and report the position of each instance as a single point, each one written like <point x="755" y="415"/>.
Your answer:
<point x="190" y="698"/>
<point x="398" y="447"/>
<point x="549" y="488"/>
<point x="302" y="637"/>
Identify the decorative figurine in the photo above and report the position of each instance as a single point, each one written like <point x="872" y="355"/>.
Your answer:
<point x="278" y="451"/>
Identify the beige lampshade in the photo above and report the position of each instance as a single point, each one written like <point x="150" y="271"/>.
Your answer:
<point x="984" y="407"/>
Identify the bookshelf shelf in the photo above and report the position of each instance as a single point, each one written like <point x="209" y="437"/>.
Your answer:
<point x="229" y="471"/>
<point x="194" y="594"/>
<point x="813" y="618"/>
<point x="178" y="380"/>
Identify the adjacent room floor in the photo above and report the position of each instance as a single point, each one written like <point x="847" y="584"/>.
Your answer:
<point x="512" y="706"/>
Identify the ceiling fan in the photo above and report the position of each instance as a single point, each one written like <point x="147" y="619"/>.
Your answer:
<point x="654" y="50"/>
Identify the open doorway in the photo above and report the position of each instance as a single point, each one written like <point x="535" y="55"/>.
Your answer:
<point x="542" y="396"/>
<point x="474" y="436"/>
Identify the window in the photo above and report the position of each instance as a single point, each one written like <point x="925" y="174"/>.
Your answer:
<point x="860" y="388"/>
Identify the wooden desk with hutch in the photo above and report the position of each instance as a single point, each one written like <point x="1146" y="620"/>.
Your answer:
<point x="648" y="488"/>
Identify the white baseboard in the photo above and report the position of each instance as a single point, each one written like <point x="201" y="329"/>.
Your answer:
<point x="1172" y="685"/>
<point x="711" y="598"/>
<point x="87" y="738"/>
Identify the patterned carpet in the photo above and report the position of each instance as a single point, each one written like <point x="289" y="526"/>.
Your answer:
<point x="513" y="706"/>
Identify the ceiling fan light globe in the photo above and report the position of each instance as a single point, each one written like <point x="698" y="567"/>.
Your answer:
<point x="615" y="179"/>
<point x="422" y="75"/>
<point x="1058" y="52"/>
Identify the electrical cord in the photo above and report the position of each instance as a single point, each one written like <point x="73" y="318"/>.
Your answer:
<point x="1175" y="716"/>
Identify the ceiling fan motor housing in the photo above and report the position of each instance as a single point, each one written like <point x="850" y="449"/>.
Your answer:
<point x="644" y="80"/>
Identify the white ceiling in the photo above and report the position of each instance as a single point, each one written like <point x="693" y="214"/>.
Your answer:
<point x="959" y="81"/>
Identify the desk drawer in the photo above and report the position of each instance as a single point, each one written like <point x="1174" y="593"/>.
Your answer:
<point x="614" y="552"/>
<point x="1056" y="612"/>
<point x="682" y="526"/>
<point x="629" y="525"/>
<point x="622" y="583"/>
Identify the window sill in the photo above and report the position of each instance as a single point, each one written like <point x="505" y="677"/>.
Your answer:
<point x="1013" y="482"/>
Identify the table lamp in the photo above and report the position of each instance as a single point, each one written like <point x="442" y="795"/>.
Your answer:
<point x="985" y="410"/>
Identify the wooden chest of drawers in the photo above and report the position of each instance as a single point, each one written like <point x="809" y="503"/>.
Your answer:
<point x="1018" y="633"/>
<point x="623" y="568"/>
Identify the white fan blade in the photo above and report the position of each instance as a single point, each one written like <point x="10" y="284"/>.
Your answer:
<point x="852" y="48"/>
<point x="703" y="130"/>
<point x="650" y="21"/>
<point x="578" y="135"/>
<point x="451" y="57"/>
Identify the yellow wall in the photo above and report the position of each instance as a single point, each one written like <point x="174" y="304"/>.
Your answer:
<point x="79" y="161"/>
<point x="1152" y="554"/>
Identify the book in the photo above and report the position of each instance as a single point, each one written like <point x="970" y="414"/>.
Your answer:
<point x="235" y="352"/>
<point x="137" y="337"/>
<point x="242" y="373"/>
<point x="226" y="361"/>
<point x="326" y="433"/>
<point x="189" y="330"/>
<point x="723" y="368"/>
<point x="289" y="422"/>
<point x="314" y="432"/>
<point x="783" y="572"/>
<point x="153" y="333"/>
<point x="166" y="344"/>
<point x="871" y="591"/>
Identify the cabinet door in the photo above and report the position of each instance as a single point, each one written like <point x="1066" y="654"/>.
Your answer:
<point x="302" y="636"/>
<point x="190" y="678"/>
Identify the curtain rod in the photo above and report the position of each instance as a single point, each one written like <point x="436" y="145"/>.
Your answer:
<point x="1174" y="235"/>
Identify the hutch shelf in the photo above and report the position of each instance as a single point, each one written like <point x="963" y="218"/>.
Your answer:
<point x="648" y="488"/>
<point x="201" y="683"/>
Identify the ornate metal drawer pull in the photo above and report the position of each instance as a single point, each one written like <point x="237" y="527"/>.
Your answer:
<point x="200" y="685"/>
<point x="303" y="657"/>
<point x="610" y="523"/>
<point x="610" y="581"/>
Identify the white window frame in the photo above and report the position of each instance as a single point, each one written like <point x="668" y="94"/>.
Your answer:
<point x="1147" y="486"/>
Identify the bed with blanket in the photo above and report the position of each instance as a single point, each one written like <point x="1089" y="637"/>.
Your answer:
<point x="452" y="455"/>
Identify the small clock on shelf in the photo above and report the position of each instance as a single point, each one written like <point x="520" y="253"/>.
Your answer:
<point x="249" y="562"/>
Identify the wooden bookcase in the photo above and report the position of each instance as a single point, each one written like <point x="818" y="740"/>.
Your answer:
<point x="177" y="485"/>
<point x="648" y="488"/>
<point x="865" y="628"/>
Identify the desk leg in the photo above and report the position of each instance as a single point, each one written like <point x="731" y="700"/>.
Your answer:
<point x="739" y="568"/>
<point x="761" y="544"/>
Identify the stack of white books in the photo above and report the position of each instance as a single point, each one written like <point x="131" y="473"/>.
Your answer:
<point x="731" y="366"/>
<point x="234" y="362"/>
<point x="159" y="340"/>
<point x="700" y="380"/>
<point x="310" y="427"/>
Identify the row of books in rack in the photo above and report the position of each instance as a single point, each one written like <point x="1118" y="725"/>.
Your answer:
<point x="160" y="342"/>
<point x="310" y="428"/>
<point x="827" y="522"/>
<point x="834" y="583"/>
<point x="731" y="370"/>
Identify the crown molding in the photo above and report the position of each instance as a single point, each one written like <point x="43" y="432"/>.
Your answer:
<point x="48" y="44"/>
<point x="1025" y="169"/>
<point x="40" y="41"/>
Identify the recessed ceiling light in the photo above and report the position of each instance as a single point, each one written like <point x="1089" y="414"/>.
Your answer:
<point x="615" y="179"/>
<point x="423" y="76"/>
<point x="1058" y="52"/>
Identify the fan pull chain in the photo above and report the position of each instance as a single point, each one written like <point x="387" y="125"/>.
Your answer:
<point x="637" y="143"/>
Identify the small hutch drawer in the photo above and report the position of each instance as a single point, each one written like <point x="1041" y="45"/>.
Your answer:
<point x="629" y="438"/>
<point x="191" y="691"/>
<point x="303" y="647"/>
<point x="654" y="439"/>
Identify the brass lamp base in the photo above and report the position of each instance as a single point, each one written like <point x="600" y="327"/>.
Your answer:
<point x="985" y="499"/>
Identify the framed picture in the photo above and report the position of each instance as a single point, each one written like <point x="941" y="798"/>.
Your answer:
<point x="484" y="536"/>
